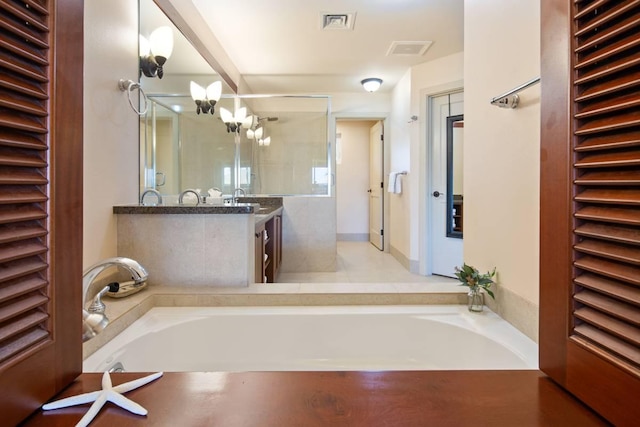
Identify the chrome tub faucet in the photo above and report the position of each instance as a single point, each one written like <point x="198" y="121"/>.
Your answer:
<point x="94" y="319"/>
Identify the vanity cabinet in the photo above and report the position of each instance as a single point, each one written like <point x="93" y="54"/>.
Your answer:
<point x="268" y="249"/>
<point x="259" y="254"/>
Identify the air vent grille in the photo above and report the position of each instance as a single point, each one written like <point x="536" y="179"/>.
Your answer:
<point x="337" y="21"/>
<point x="411" y="48"/>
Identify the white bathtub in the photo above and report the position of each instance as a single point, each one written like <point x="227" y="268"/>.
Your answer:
<point x="438" y="337"/>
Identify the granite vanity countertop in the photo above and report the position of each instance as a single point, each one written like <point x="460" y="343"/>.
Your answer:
<point x="263" y="207"/>
<point x="231" y="208"/>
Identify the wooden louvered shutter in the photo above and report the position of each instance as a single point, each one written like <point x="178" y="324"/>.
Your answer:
<point x="23" y="181"/>
<point x="590" y="203"/>
<point x="607" y="180"/>
<point x="40" y="201"/>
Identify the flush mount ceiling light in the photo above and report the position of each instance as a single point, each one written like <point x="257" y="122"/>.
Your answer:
<point x="155" y="51"/>
<point x="371" y="84"/>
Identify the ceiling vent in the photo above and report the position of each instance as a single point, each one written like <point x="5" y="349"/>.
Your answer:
<point x="408" y="48"/>
<point x="337" y="21"/>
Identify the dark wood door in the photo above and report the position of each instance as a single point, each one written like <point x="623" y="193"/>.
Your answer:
<point x="41" y="56"/>
<point x="590" y="203"/>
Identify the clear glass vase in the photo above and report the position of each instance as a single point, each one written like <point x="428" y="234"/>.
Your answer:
<point x="475" y="300"/>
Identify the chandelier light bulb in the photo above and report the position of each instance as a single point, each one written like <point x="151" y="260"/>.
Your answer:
<point x="161" y="42"/>
<point x="214" y="91"/>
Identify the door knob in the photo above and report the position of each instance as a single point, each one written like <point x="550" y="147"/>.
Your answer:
<point x="436" y="193"/>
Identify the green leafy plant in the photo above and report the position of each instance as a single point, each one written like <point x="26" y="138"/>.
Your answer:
<point x="471" y="277"/>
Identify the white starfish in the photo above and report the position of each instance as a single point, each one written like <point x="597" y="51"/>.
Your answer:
<point x="108" y="393"/>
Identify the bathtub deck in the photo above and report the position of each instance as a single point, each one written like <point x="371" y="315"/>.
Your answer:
<point x="425" y="398"/>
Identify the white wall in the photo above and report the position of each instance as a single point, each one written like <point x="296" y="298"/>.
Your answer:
<point x="110" y="126"/>
<point x="400" y="160"/>
<point x="502" y="150"/>
<point x="408" y="150"/>
<point x="352" y="179"/>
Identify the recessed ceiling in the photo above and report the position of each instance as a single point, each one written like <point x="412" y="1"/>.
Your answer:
<point x="278" y="45"/>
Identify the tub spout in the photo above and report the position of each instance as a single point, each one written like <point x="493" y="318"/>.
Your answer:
<point x="94" y="319"/>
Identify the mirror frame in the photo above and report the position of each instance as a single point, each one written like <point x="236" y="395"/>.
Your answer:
<point x="450" y="204"/>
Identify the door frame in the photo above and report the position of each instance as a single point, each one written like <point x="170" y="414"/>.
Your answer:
<point x="424" y="182"/>
<point x="371" y="116"/>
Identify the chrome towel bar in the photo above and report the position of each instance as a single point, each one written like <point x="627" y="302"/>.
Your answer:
<point x="510" y="99"/>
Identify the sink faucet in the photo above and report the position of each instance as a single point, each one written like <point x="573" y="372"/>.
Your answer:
<point x="189" y="190"/>
<point x="151" y="190"/>
<point x="235" y="194"/>
<point x="93" y="319"/>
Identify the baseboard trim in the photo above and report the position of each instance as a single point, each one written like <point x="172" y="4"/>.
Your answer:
<point x="399" y="256"/>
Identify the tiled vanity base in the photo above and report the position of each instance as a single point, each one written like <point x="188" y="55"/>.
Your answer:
<point x="190" y="249"/>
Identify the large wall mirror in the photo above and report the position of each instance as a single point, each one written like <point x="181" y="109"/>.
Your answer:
<point x="282" y="147"/>
<point x="455" y="196"/>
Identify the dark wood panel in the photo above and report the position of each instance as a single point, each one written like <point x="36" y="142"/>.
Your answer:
<point x="309" y="399"/>
<point x="593" y="380"/>
<point x="45" y="351"/>
<point x="556" y="159"/>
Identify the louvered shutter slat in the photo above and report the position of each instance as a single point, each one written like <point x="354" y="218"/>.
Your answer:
<point x="610" y="306"/>
<point x="621" y="196"/>
<point x="24" y="324"/>
<point x="611" y="345"/>
<point x="622" y="330"/>
<point x="626" y="158"/>
<point x="12" y="138"/>
<point x="608" y="250"/>
<point x="25" y="286"/>
<point x="613" y="233"/>
<point x="609" y="178"/>
<point x="609" y="142"/>
<point x="603" y="89"/>
<point x="35" y="15"/>
<point x="22" y="178"/>
<point x="12" y="348"/>
<point x="613" y="288"/>
<point x="609" y="214"/>
<point x="618" y="271"/>
<point x="29" y="230"/>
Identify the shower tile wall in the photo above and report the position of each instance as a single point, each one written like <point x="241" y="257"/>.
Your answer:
<point x="296" y="161"/>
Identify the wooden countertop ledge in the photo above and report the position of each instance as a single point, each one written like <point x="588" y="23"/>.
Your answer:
<point x="282" y="399"/>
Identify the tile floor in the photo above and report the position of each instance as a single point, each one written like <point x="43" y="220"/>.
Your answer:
<point x="361" y="262"/>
